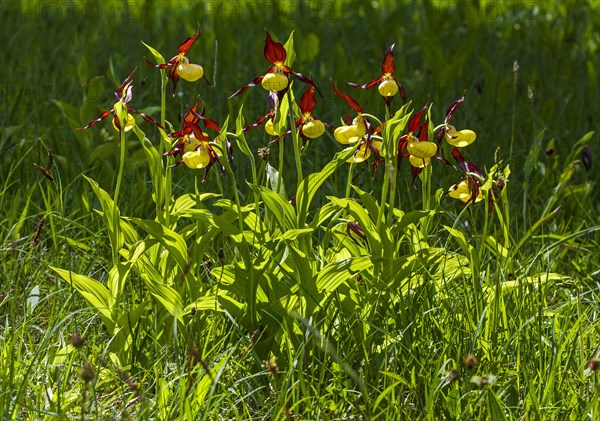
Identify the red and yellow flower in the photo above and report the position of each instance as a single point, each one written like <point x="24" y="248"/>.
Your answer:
<point x="457" y="138"/>
<point x="124" y="94"/>
<point x="388" y="85"/>
<point x="276" y="79"/>
<point x="193" y="144"/>
<point x="180" y="66"/>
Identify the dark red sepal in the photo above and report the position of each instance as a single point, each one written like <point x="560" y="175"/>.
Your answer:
<point x="185" y="45"/>
<point x="308" y="101"/>
<point x="387" y="66"/>
<point x="274" y="51"/>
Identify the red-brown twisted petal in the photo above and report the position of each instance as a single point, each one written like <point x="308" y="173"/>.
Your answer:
<point x="367" y="85"/>
<point x="245" y="87"/>
<point x="453" y="108"/>
<point x="349" y="100"/>
<point x="126" y="86"/>
<point x="98" y="119"/>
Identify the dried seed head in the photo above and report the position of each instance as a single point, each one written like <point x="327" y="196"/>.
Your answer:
<point x="272" y="367"/>
<point x="470" y="361"/>
<point x="263" y="153"/>
<point x="76" y="340"/>
<point x="87" y="372"/>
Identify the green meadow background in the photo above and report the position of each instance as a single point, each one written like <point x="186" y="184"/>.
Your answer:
<point x="530" y="72"/>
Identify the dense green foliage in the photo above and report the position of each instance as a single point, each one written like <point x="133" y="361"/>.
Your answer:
<point x="235" y="303"/>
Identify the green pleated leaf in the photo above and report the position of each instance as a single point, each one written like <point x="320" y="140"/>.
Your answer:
<point x="239" y="134"/>
<point x="280" y="208"/>
<point x="170" y="240"/>
<point x="158" y="56"/>
<point x="336" y="273"/>
<point x="93" y="291"/>
<point x="311" y="184"/>
<point x="110" y="215"/>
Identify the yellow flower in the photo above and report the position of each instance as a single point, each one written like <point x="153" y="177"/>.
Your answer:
<point x="352" y="133"/>
<point x="275" y="81"/>
<point x="419" y="162"/>
<point x="388" y="87"/>
<point x="364" y="152"/>
<point x="189" y="71"/>
<point x="197" y="159"/>
<point x="313" y="128"/>
<point x="129" y="125"/>
<point x="269" y="127"/>
<point x="460" y="138"/>
<point x="422" y="150"/>
<point x="462" y="191"/>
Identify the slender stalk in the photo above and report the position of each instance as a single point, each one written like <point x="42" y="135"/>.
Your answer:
<point x="280" y="169"/>
<point x="295" y="139"/>
<point x="426" y="195"/>
<point x="123" y="147"/>
<point x="349" y="182"/>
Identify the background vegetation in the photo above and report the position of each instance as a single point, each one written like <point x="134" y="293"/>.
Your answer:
<point x="529" y="71"/>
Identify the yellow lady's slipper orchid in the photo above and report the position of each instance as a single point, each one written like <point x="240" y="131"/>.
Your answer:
<point x="462" y="192"/>
<point x="269" y="128"/>
<point x="313" y="128"/>
<point x="460" y="138"/>
<point x="189" y="71"/>
<point x="275" y="81"/>
<point x="419" y="162"/>
<point x="129" y="125"/>
<point x="352" y="133"/>
<point x="197" y="159"/>
<point x="421" y="149"/>
<point x="388" y="87"/>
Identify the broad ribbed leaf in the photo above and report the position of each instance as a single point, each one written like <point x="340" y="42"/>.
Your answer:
<point x="170" y="240"/>
<point x="309" y="186"/>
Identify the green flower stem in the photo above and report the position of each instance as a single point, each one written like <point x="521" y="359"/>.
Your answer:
<point x="426" y="194"/>
<point x="168" y="185"/>
<point x="231" y="174"/>
<point x="280" y="169"/>
<point x="393" y="176"/>
<point x="123" y="147"/>
<point x="349" y="182"/>
<point x="295" y="134"/>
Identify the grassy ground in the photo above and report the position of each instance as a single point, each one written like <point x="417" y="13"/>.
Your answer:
<point x="443" y="312"/>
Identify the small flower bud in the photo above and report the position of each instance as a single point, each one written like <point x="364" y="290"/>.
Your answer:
<point x="87" y="372"/>
<point x="470" y="361"/>
<point x="272" y="367"/>
<point x="263" y="153"/>
<point x="76" y="340"/>
<point x="594" y="364"/>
